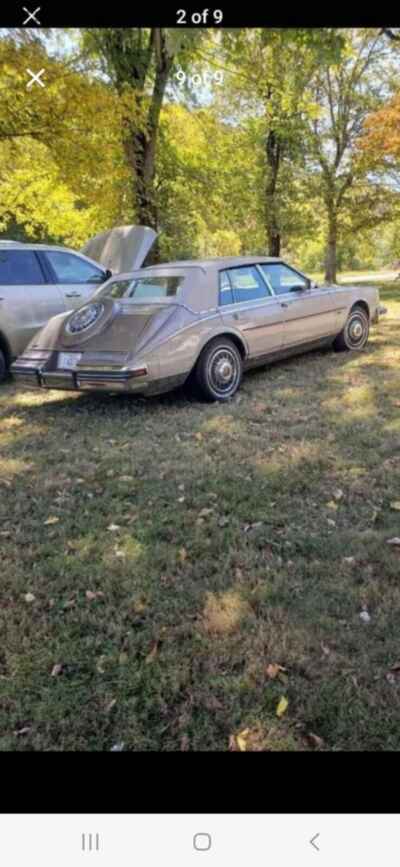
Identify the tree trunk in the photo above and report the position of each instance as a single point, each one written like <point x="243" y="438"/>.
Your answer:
<point x="273" y="151"/>
<point x="331" y="245"/>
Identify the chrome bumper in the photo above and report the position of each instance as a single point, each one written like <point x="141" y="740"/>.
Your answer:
<point x="106" y="380"/>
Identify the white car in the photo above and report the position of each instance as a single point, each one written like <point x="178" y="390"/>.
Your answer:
<point x="39" y="281"/>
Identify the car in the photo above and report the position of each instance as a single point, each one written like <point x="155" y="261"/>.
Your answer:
<point x="38" y="281"/>
<point x="202" y="322"/>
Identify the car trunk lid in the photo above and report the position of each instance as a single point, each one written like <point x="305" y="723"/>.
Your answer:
<point x="121" y="249"/>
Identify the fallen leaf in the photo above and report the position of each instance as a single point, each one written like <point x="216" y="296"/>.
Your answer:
<point x="395" y="505"/>
<point x="365" y="617"/>
<point x="331" y="522"/>
<point x="56" y="670"/>
<point x="182" y="555"/>
<point x="29" y="597"/>
<point x="282" y="706"/>
<point x="90" y="595"/>
<point x="153" y="653"/>
<point x="255" y="526"/>
<point x="332" y="505"/>
<point x="241" y="740"/>
<point x="117" y="748"/>
<point x="110" y="705"/>
<point x="394" y="541"/>
<point x="314" y="740"/>
<point x="198" y="436"/>
<point x="273" y="669"/>
<point x="185" y="743"/>
<point x="338" y="494"/>
<point x="113" y="528"/>
<point x="23" y="731"/>
<point x="51" y="520"/>
<point x="349" y="560"/>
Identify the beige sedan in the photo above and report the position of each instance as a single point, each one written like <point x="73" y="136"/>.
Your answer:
<point x="205" y="322"/>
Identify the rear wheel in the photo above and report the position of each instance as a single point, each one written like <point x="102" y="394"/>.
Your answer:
<point x="218" y="372"/>
<point x="355" y="332"/>
<point x="3" y="366"/>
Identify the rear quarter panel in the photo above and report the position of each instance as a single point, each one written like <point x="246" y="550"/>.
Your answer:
<point x="178" y="352"/>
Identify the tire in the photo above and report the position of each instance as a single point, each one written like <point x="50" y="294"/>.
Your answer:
<point x="219" y="370"/>
<point x="355" y="332"/>
<point x="3" y="366"/>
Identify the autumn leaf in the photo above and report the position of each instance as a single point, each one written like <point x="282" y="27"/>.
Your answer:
<point x="282" y="706"/>
<point x="273" y="670"/>
<point x="152" y="654"/>
<point x="29" y="597"/>
<point x="51" y="520"/>
<point x="56" y="670"/>
<point x="241" y="740"/>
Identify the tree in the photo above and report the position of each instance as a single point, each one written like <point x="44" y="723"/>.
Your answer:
<point x="139" y="63"/>
<point x="271" y="71"/>
<point x="343" y="93"/>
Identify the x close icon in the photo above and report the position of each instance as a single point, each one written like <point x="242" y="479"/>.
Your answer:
<point x="36" y="78"/>
<point x="31" y="15"/>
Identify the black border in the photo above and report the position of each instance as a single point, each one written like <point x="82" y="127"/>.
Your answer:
<point x="119" y="13"/>
<point x="198" y="783"/>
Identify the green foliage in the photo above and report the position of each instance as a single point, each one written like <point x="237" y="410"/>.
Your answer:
<point x="64" y="173"/>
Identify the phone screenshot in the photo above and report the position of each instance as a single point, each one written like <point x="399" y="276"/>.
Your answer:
<point x="199" y="434"/>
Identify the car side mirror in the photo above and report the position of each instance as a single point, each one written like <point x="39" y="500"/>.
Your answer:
<point x="300" y="287"/>
<point x="107" y="274"/>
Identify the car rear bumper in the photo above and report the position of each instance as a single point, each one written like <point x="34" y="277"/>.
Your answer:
<point x="128" y="381"/>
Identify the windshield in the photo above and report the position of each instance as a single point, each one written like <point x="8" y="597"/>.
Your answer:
<point x="145" y="287"/>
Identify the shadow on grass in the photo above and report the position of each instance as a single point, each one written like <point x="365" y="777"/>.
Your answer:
<point x="175" y="549"/>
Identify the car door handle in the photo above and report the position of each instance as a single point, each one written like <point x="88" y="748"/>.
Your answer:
<point x="73" y="295"/>
<point x="284" y="304"/>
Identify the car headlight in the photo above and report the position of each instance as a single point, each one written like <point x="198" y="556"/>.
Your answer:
<point x="84" y="318"/>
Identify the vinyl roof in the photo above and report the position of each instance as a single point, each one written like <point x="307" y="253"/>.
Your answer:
<point x="219" y="262"/>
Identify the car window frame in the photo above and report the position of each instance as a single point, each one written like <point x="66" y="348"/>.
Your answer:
<point x="36" y="257"/>
<point x="290" y="267"/>
<point x="54" y="278"/>
<point x="260" y="300"/>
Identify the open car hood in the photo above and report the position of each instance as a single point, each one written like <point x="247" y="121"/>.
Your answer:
<point x="121" y="249"/>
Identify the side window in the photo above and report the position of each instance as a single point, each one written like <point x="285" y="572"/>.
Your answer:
<point x="282" y="278"/>
<point x="225" y="289"/>
<point x="20" y="268"/>
<point x="247" y="283"/>
<point x="71" y="269"/>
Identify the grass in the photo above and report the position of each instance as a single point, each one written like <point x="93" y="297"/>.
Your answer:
<point x="160" y="559"/>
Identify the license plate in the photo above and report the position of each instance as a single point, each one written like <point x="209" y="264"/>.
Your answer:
<point x="68" y="360"/>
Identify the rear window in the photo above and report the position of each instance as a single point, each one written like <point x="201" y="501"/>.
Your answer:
<point x="145" y="287"/>
<point x="19" y="268"/>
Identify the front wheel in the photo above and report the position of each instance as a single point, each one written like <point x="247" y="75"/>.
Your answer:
<point x="218" y="372"/>
<point x="3" y="366"/>
<point x="355" y="332"/>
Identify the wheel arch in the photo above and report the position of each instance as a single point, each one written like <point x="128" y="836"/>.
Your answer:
<point x="364" y="306"/>
<point x="231" y="335"/>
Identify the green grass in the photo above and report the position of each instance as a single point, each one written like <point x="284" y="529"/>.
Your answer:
<point x="196" y="602"/>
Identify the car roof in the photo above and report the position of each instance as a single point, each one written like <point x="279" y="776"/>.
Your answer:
<point x="218" y="262"/>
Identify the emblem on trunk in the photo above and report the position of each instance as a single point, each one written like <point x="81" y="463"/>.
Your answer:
<point x="84" y="318"/>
